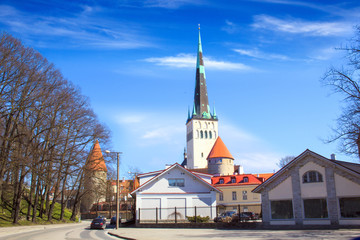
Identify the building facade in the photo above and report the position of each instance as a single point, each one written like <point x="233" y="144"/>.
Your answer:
<point x="237" y="192"/>
<point x="174" y="193"/>
<point x="312" y="190"/>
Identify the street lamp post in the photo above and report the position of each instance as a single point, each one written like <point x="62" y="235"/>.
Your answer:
<point x="117" y="186"/>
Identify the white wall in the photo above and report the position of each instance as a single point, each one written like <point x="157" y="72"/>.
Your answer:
<point x="282" y="191"/>
<point x="313" y="190"/>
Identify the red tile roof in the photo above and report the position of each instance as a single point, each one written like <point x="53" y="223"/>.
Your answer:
<point x="219" y="150"/>
<point x="239" y="180"/>
<point x="95" y="159"/>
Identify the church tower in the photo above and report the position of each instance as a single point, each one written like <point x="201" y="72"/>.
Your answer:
<point x="201" y="125"/>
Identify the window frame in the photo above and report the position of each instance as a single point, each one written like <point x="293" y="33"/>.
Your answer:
<point x="291" y="214"/>
<point x="308" y="177"/>
<point x="234" y="195"/>
<point x="177" y="182"/>
<point x="306" y="214"/>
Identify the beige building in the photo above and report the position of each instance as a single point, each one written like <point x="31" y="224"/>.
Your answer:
<point x="237" y="192"/>
<point x="312" y="190"/>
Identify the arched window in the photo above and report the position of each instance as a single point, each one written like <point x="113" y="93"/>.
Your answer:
<point x="210" y="134"/>
<point x="205" y="125"/>
<point x="214" y="134"/>
<point x="312" y="176"/>
<point x="201" y="134"/>
<point x="206" y="134"/>
<point x="197" y="133"/>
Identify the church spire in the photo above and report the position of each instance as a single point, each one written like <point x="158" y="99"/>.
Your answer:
<point x="201" y="102"/>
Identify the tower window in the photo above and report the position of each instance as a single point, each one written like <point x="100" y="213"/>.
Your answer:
<point x="202" y="155"/>
<point x="210" y="135"/>
<point x="201" y="134"/>
<point x="206" y="135"/>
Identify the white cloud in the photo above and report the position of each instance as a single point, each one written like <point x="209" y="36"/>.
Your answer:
<point x="81" y="30"/>
<point x="255" y="53"/>
<point x="302" y="27"/>
<point x="172" y="4"/>
<point x="188" y="61"/>
<point x="230" y="27"/>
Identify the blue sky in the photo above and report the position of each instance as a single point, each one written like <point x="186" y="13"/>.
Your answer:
<point x="135" y="60"/>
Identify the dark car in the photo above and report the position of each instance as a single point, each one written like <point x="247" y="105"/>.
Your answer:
<point x="225" y="216"/>
<point x="98" y="223"/>
<point x="251" y="215"/>
<point x="243" y="217"/>
<point x="113" y="220"/>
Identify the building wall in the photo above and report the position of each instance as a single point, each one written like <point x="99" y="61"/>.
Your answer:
<point x="94" y="189"/>
<point x="199" y="148"/>
<point x="222" y="166"/>
<point x="161" y="184"/>
<point x="251" y="204"/>
<point x="337" y="183"/>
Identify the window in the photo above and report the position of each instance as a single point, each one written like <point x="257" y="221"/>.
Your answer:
<point x="244" y="194"/>
<point x="234" y="196"/>
<point x="210" y="135"/>
<point x="221" y="197"/>
<point x="221" y="181"/>
<point x="282" y="209"/>
<point x="201" y="134"/>
<point x="315" y="208"/>
<point x="350" y="207"/>
<point x="176" y="182"/>
<point x="246" y="179"/>
<point x="312" y="176"/>
<point x="233" y="180"/>
<point x="205" y="134"/>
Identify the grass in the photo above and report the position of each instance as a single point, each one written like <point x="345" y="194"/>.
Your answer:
<point x="6" y="220"/>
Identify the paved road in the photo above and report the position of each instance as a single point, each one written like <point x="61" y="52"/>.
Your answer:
<point x="55" y="232"/>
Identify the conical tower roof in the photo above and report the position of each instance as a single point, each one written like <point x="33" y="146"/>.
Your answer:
<point x="219" y="150"/>
<point x="95" y="160"/>
<point x="201" y="102"/>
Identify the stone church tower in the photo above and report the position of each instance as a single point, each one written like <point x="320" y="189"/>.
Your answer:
<point x="201" y="125"/>
<point x="95" y="176"/>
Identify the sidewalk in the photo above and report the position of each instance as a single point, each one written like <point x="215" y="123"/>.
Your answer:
<point x="214" y="234"/>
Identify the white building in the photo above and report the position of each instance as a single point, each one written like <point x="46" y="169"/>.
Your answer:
<point x="174" y="192"/>
<point x="312" y="190"/>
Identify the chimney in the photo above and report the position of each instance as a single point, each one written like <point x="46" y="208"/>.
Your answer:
<point x="333" y="156"/>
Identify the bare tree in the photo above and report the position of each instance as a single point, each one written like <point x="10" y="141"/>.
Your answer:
<point x="346" y="81"/>
<point x="285" y="160"/>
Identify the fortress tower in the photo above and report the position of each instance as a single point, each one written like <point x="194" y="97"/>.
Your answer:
<point x="95" y="176"/>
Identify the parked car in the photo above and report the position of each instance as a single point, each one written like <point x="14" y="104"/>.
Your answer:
<point x="113" y="220"/>
<point x="225" y="216"/>
<point x="243" y="217"/>
<point x="98" y="223"/>
<point x="251" y="215"/>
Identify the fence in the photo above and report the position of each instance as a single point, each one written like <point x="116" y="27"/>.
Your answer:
<point x="187" y="215"/>
<point x="175" y="214"/>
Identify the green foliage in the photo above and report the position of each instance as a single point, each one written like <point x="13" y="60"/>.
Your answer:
<point x="6" y="220"/>
<point x="199" y="219"/>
